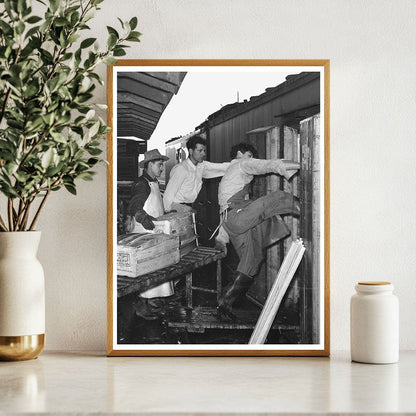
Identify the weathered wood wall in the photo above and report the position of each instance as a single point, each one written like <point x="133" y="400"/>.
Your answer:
<point x="276" y="143"/>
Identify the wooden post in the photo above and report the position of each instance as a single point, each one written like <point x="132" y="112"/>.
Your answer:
<point x="189" y="290"/>
<point x="310" y="227"/>
<point x="274" y="254"/>
<point x="291" y="152"/>
<point x="219" y="280"/>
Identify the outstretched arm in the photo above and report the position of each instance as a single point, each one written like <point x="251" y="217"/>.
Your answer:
<point x="214" y="170"/>
<point x="282" y="167"/>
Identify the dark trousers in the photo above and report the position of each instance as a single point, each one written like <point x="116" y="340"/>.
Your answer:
<point x="256" y="225"/>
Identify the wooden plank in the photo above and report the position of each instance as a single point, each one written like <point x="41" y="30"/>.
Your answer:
<point x="286" y="272"/>
<point x="315" y="132"/>
<point x="148" y="78"/>
<point x="202" y="318"/>
<point x="125" y="97"/>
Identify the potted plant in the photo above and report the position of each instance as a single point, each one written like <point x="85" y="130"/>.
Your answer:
<point x="50" y="136"/>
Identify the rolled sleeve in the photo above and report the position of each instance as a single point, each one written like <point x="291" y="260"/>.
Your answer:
<point x="262" y="166"/>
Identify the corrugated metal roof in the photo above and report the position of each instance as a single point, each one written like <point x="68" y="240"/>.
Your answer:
<point x="231" y="110"/>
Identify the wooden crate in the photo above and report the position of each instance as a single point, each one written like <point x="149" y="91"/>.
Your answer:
<point x="181" y="224"/>
<point x="139" y="254"/>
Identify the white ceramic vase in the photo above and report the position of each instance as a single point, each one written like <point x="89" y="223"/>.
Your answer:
<point x="22" y="296"/>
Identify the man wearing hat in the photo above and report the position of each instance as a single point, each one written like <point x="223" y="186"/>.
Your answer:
<point x="146" y="205"/>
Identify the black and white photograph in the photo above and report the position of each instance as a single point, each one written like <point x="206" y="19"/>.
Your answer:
<point x="218" y="211"/>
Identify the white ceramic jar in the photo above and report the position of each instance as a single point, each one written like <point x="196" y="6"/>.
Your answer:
<point x="374" y="323"/>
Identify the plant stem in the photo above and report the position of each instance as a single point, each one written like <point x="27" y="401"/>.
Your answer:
<point x="2" y="225"/>
<point x="26" y="216"/>
<point x="18" y="216"/>
<point x="21" y="213"/>
<point x="39" y="209"/>
<point x="10" y="213"/>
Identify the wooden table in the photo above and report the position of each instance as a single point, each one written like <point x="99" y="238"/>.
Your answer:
<point x="199" y="257"/>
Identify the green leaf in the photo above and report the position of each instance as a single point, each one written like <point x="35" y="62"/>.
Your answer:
<point x="92" y="161"/>
<point x="73" y="38"/>
<point x="61" y="21"/>
<point x="58" y="137"/>
<point x="21" y="177"/>
<point x="110" y="60"/>
<point x="54" y="4"/>
<point x="31" y="90"/>
<point x="90" y="115"/>
<point x="74" y="18"/>
<point x="82" y="98"/>
<point x="67" y="153"/>
<point x="33" y="19"/>
<point x="21" y="6"/>
<point x="35" y="125"/>
<point x="86" y="176"/>
<point x="10" y="8"/>
<point x="87" y="42"/>
<point x="119" y="52"/>
<point x="134" y="36"/>
<point x="20" y="28"/>
<point x="63" y="41"/>
<point x="11" y="168"/>
<point x="133" y="23"/>
<point x="112" y="41"/>
<point x="32" y="31"/>
<point x="5" y="28"/>
<point x="48" y="118"/>
<point x="52" y="171"/>
<point x="47" y="158"/>
<point x="112" y="31"/>
<point x="66" y="56"/>
<point x="70" y="188"/>
<point x="94" y="129"/>
<point x="94" y="151"/>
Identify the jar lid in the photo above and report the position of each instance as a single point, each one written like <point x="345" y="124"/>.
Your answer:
<point x="374" y="283"/>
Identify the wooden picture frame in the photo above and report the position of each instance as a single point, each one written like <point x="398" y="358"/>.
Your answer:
<point x="287" y="308"/>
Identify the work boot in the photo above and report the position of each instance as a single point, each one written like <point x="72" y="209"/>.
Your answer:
<point x="143" y="310"/>
<point x="238" y="289"/>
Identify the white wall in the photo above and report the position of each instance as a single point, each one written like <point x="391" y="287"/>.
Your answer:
<point x="371" y="45"/>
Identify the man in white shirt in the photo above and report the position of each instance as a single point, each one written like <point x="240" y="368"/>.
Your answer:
<point x="186" y="177"/>
<point x="252" y="225"/>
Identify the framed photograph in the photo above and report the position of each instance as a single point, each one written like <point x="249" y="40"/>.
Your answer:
<point x="218" y="208"/>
